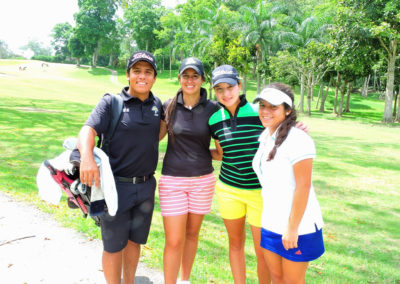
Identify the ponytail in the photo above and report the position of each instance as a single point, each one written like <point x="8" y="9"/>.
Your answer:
<point x="288" y="123"/>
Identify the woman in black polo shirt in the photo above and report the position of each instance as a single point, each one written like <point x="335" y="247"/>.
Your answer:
<point x="186" y="187"/>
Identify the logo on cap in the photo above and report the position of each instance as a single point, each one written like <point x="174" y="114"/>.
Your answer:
<point x="190" y="61"/>
<point x="223" y="72"/>
<point x="142" y="55"/>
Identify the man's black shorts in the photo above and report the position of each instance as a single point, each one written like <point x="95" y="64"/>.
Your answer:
<point x="133" y="218"/>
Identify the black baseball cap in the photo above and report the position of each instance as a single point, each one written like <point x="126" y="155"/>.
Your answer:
<point x="194" y="63"/>
<point x="225" y="74"/>
<point x="142" y="56"/>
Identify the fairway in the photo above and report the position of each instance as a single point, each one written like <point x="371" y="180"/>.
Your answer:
<point x="356" y="173"/>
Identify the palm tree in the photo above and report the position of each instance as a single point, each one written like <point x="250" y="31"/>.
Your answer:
<point x="259" y="25"/>
<point x="300" y="34"/>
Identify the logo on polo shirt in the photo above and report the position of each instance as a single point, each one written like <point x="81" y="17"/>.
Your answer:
<point x="155" y="110"/>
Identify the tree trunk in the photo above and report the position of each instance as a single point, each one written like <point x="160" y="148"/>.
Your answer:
<point x="397" y="119"/>
<point x="336" y="93"/>
<point x="111" y="60"/>
<point x="347" y="108"/>
<point x="309" y="95"/>
<point x="259" y="60"/>
<point x="396" y="95"/>
<point x="78" y="62"/>
<point x="254" y="70"/>
<point x="364" y="90"/>
<point x="310" y="88"/>
<point x="313" y="84"/>
<point x="244" y="84"/>
<point x="301" y="102"/>
<point x="320" y="93"/>
<point x="323" y="99"/>
<point x="147" y="45"/>
<point x="342" y="92"/>
<point x="387" y="115"/>
<point x="94" y="58"/>
<point x="170" y="67"/>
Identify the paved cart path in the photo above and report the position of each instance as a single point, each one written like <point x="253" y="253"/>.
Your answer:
<point x="34" y="248"/>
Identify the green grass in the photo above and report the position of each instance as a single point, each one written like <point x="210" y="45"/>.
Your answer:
<point x="356" y="172"/>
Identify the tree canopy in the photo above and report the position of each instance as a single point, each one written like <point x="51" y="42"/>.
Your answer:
<point x="333" y="43"/>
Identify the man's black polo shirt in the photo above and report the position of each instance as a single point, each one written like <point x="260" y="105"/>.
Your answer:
<point x="134" y="146"/>
<point x="188" y="154"/>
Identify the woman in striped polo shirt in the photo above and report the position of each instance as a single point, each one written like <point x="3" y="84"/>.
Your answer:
<point x="236" y="128"/>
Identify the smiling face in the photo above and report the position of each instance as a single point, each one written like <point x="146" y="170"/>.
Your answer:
<point x="190" y="82"/>
<point x="272" y="116"/>
<point x="141" y="78"/>
<point x="228" y="95"/>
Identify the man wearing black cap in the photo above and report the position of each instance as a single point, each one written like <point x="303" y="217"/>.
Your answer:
<point x="133" y="155"/>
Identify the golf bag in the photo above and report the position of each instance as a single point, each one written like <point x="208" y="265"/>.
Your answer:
<point x="64" y="172"/>
<point x="78" y="194"/>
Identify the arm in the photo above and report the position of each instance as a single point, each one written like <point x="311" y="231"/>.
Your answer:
<point x="302" y="174"/>
<point x="216" y="153"/>
<point x="301" y="125"/>
<point x="163" y="130"/>
<point x="88" y="168"/>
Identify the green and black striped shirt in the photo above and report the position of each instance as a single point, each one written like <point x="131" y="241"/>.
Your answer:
<point x="238" y="136"/>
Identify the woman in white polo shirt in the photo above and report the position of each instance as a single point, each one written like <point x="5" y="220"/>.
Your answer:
<point x="291" y="226"/>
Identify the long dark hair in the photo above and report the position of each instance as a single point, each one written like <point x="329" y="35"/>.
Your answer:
<point x="289" y="121"/>
<point x="170" y="112"/>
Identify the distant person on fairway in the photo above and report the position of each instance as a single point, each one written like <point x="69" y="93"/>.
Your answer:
<point x="186" y="186"/>
<point x="133" y="157"/>
<point x="291" y="225"/>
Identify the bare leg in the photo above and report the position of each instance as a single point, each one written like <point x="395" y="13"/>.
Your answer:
<point x="262" y="268"/>
<point x="283" y="270"/>
<point x="191" y="241"/>
<point x="274" y="262"/>
<point x="112" y="264"/>
<point x="237" y="237"/>
<point x="294" y="272"/>
<point x="174" y="228"/>
<point x="130" y="260"/>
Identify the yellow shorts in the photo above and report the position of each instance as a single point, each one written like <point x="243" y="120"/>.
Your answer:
<point x="234" y="203"/>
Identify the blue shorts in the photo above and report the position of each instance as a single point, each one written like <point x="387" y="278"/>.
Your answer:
<point x="309" y="246"/>
<point x="133" y="218"/>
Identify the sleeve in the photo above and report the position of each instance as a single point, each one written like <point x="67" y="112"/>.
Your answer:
<point x="213" y="127"/>
<point x="301" y="146"/>
<point x="99" y="118"/>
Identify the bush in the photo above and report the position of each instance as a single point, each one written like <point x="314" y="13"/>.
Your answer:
<point x="46" y="58"/>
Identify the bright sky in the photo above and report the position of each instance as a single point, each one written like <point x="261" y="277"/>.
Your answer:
<point x="24" y="20"/>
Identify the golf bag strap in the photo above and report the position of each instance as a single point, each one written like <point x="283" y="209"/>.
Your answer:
<point x="117" y="104"/>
